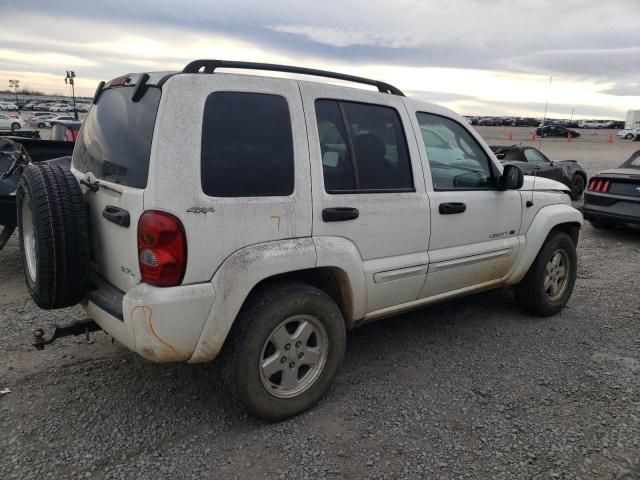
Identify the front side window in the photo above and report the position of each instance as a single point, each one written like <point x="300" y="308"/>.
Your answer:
<point x="456" y="159"/>
<point x="363" y="148"/>
<point x="533" y="156"/>
<point x="247" y="145"/>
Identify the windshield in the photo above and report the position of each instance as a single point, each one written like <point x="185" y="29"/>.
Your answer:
<point x="115" y="141"/>
<point x="634" y="161"/>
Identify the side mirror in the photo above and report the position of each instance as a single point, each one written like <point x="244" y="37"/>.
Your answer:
<point x="512" y="177"/>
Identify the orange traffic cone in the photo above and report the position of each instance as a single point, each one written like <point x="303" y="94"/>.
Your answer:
<point x="610" y="139"/>
<point x="569" y="137"/>
<point x="510" y="136"/>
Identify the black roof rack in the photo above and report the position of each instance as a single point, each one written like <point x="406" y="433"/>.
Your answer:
<point x="209" y="66"/>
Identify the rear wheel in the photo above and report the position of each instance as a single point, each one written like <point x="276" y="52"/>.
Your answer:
<point x="628" y="136"/>
<point x="285" y="350"/>
<point x="15" y="126"/>
<point x="41" y="125"/>
<point x="547" y="286"/>
<point x="53" y="236"/>
<point x="578" y="183"/>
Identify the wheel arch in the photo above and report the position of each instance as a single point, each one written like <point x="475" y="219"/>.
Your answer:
<point x="549" y="219"/>
<point x="339" y="275"/>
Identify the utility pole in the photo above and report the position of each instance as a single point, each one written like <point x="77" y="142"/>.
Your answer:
<point x="69" y="79"/>
<point x="15" y="84"/>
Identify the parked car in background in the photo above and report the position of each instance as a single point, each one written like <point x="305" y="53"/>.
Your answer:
<point x="533" y="162"/>
<point x="556" y="131"/>
<point x="489" y="122"/>
<point x="8" y="106"/>
<point x="60" y="107"/>
<point x="628" y="134"/>
<point x="589" y="124"/>
<point x="48" y="122"/>
<point x="10" y="122"/>
<point x="83" y="107"/>
<point x="526" y="122"/>
<point x="613" y="196"/>
<point x="40" y="119"/>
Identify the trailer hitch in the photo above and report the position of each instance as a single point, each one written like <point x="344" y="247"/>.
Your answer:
<point x="78" y="328"/>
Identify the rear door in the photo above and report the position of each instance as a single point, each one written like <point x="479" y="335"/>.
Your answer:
<point x="368" y="186"/>
<point x="112" y="154"/>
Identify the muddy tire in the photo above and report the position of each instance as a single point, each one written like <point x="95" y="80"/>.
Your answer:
<point x="53" y="235"/>
<point x="547" y="286"/>
<point x="284" y="350"/>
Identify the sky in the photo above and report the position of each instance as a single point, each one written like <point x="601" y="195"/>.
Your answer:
<point x="485" y="57"/>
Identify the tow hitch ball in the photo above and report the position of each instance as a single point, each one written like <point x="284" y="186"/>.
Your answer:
<point x="77" y="328"/>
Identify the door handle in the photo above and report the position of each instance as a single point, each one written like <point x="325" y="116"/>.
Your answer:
<point x="451" y="208"/>
<point x="340" y="214"/>
<point x="117" y="215"/>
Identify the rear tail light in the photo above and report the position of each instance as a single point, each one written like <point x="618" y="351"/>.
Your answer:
<point x="599" y="185"/>
<point x="162" y="249"/>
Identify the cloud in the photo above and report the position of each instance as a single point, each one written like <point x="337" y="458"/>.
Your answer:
<point x="487" y="51"/>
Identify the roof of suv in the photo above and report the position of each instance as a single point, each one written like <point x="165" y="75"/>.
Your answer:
<point x="203" y="67"/>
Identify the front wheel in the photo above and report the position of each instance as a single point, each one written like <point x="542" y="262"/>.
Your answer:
<point x="628" y="136"/>
<point x="547" y="286"/>
<point x="285" y="350"/>
<point x="41" y="125"/>
<point x="15" y="126"/>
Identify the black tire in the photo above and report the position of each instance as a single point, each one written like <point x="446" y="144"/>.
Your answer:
<point x="628" y="136"/>
<point x="15" y="126"/>
<point x="41" y="125"/>
<point x="578" y="183"/>
<point x="530" y="292"/>
<point x="243" y="352"/>
<point x="60" y="232"/>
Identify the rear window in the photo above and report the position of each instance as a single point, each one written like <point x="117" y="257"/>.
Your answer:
<point x="115" y="141"/>
<point x="247" y="145"/>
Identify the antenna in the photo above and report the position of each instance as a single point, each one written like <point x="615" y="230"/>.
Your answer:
<point x="544" y="118"/>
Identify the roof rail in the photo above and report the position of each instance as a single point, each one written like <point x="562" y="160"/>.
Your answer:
<point x="209" y="66"/>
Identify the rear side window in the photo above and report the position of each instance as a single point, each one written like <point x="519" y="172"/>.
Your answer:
<point x="115" y="140"/>
<point x="363" y="148"/>
<point x="247" y="145"/>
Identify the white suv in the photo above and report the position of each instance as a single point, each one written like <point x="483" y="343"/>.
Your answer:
<point x="260" y="218"/>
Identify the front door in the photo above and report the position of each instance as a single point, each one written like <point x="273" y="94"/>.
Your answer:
<point x="474" y="226"/>
<point x="368" y="187"/>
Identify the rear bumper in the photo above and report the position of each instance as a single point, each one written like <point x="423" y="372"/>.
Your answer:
<point x="160" y="324"/>
<point x="615" y="208"/>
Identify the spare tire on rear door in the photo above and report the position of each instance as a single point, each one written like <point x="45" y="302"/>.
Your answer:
<point x="54" y="238"/>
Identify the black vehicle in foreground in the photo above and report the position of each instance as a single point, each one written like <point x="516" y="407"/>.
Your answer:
<point x="533" y="162"/>
<point x="556" y="131"/>
<point x="613" y="196"/>
<point x="16" y="153"/>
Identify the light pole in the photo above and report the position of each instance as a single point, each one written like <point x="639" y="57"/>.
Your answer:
<point x="15" y="84"/>
<point x="69" y="79"/>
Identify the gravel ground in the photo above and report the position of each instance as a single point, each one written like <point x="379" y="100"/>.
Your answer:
<point x="472" y="388"/>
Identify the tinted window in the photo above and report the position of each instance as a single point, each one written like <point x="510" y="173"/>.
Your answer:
<point x="115" y="141"/>
<point x="534" y="156"/>
<point x="363" y="148"/>
<point x="247" y="145"/>
<point x="456" y="160"/>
